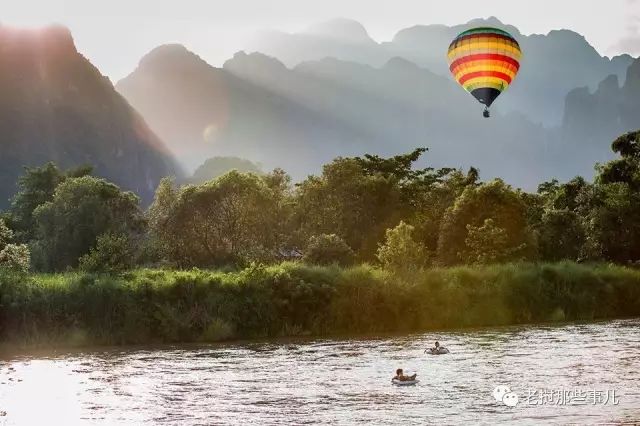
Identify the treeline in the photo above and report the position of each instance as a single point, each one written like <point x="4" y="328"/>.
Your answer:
<point x="361" y="209"/>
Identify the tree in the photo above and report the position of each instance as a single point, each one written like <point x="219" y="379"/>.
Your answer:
<point x="348" y="202"/>
<point x="489" y="243"/>
<point x="283" y="232"/>
<point x="611" y="222"/>
<point x="434" y="202"/>
<point x="561" y="235"/>
<point x="15" y="257"/>
<point x="609" y="208"/>
<point x="160" y="245"/>
<point x="400" y="253"/>
<point x="230" y="220"/>
<point x="6" y="234"/>
<point x="81" y="210"/>
<point x="359" y="198"/>
<point x="558" y="219"/>
<point x="35" y="187"/>
<point x="112" y="253"/>
<point x="625" y="169"/>
<point x="562" y="196"/>
<point x="327" y="249"/>
<point x="492" y="200"/>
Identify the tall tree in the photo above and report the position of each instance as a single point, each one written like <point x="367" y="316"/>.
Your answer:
<point x="81" y="210"/>
<point x="35" y="187"/>
<point x="228" y="220"/>
<point x="493" y="200"/>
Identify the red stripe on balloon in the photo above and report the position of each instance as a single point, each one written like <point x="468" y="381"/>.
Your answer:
<point x="484" y="56"/>
<point x="475" y="74"/>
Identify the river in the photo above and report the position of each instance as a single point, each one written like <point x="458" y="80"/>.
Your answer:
<point x="572" y="373"/>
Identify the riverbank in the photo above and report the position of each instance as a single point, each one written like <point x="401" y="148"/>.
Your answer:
<point x="293" y="299"/>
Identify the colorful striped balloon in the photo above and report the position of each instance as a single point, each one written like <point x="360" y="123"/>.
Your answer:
<point x="484" y="61"/>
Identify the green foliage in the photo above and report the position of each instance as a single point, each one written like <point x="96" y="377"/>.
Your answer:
<point x="348" y="202"/>
<point x="359" y="198"/>
<point x="14" y="257"/>
<point x="561" y="235"/>
<point x="465" y="229"/>
<point x="160" y="244"/>
<point x="81" y="210"/>
<point x="147" y="306"/>
<point x="113" y="253"/>
<point x="239" y="218"/>
<point x="625" y="169"/>
<point x="233" y="219"/>
<point x="327" y="249"/>
<point x="612" y="223"/>
<point x="433" y="203"/>
<point x="489" y="243"/>
<point x="36" y="187"/>
<point x="6" y="234"/>
<point x="400" y="253"/>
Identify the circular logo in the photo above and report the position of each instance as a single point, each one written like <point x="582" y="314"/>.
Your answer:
<point x="510" y="399"/>
<point x="500" y="391"/>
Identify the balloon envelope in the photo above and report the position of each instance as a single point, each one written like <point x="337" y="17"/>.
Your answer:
<point x="484" y="61"/>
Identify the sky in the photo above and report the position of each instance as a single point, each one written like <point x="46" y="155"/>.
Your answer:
<point x="115" y="34"/>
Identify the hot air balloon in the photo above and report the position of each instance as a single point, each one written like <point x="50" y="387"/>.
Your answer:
<point x="484" y="61"/>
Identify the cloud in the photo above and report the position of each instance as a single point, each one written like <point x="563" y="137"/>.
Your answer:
<point x="630" y="42"/>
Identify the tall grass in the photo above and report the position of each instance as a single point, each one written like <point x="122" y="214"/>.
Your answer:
<point x="148" y="306"/>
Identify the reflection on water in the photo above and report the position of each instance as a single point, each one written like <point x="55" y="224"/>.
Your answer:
<point x="333" y="381"/>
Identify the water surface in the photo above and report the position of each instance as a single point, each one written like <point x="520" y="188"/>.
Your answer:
<point x="336" y="381"/>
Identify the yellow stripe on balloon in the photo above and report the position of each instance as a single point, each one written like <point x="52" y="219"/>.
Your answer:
<point x="475" y="66"/>
<point x="486" y="81"/>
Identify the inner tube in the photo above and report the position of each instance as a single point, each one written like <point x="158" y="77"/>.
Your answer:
<point x="404" y="382"/>
<point x="440" y="351"/>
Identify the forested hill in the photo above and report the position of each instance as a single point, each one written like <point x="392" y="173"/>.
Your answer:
<point x="56" y="106"/>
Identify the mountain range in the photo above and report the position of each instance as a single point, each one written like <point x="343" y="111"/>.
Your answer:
<point x="545" y="77"/>
<point x="298" y="117"/>
<point x="300" y="100"/>
<point x="56" y="106"/>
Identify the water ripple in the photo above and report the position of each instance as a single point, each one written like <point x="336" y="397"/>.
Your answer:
<point x="332" y="381"/>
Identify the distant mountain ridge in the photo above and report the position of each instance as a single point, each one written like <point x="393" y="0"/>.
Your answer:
<point x="55" y="106"/>
<point x="544" y="80"/>
<point x="606" y="112"/>
<point x="299" y="118"/>
<point x="201" y="111"/>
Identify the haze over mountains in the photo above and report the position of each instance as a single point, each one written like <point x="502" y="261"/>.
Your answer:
<point x="55" y="106"/>
<point x="300" y="116"/>
<point x="303" y="99"/>
<point x="546" y="75"/>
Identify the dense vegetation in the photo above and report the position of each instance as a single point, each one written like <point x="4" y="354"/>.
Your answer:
<point x="297" y="299"/>
<point x="414" y="226"/>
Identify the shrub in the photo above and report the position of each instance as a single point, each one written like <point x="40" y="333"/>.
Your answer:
<point x="147" y="306"/>
<point x="15" y="257"/>
<point x="112" y="253"/>
<point x="327" y="249"/>
<point x="400" y="253"/>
